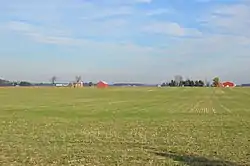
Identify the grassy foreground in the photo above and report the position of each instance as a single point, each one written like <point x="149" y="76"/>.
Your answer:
<point x="124" y="126"/>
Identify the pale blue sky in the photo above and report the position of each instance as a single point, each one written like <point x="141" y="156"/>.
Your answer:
<point x="120" y="41"/>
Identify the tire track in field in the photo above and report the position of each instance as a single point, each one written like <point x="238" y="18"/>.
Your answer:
<point x="193" y="103"/>
<point x="204" y="104"/>
<point x="180" y="101"/>
<point x="238" y="99"/>
<point x="160" y="104"/>
<point x="241" y="99"/>
<point x="225" y="108"/>
<point x="240" y="90"/>
<point x="219" y="99"/>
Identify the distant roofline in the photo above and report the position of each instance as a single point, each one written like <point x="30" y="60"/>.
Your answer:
<point x="103" y="82"/>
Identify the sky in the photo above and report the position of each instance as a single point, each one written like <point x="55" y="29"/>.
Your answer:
<point x="147" y="41"/>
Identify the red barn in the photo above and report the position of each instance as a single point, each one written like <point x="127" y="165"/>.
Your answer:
<point x="102" y="84"/>
<point x="228" y="84"/>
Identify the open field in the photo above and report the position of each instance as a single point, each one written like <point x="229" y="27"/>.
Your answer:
<point x="124" y="126"/>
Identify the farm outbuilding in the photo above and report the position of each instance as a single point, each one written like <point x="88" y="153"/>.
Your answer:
<point x="245" y="85"/>
<point x="228" y="84"/>
<point x="102" y="84"/>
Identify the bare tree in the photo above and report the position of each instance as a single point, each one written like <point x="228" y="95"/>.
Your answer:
<point x="178" y="79"/>
<point x="206" y="82"/>
<point x="78" y="79"/>
<point x="53" y="80"/>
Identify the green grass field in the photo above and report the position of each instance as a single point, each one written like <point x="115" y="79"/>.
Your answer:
<point x="125" y="126"/>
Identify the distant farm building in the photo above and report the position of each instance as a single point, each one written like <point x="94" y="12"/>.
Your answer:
<point x="102" y="84"/>
<point x="245" y="85"/>
<point x="228" y="84"/>
<point x="78" y="84"/>
<point x="61" y="84"/>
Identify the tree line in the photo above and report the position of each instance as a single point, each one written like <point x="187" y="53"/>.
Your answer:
<point x="191" y="83"/>
<point x="178" y="81"/>
<point x="14" y="83"/>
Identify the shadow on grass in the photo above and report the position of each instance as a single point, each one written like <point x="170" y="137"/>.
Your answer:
<point x="194" y="160"/>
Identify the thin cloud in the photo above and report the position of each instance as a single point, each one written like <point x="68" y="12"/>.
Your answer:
<point x="171" y="28"/>
<point x="230" y="19"/>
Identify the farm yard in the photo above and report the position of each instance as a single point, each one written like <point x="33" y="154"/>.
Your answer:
<point x="125" y="126"/>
